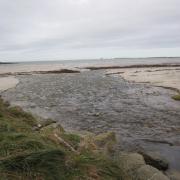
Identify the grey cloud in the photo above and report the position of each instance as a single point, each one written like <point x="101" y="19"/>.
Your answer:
<point x="57" y="28"/>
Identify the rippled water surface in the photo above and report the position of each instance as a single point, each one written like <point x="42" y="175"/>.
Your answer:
<point x="92" y="101"/>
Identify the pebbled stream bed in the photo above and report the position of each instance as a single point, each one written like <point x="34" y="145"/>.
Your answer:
<point x="141" y="115"/>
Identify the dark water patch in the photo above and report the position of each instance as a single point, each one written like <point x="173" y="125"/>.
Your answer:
<point x="171" y="153"/>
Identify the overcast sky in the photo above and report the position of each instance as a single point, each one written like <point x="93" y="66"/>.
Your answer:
<point x="77" y="29"/>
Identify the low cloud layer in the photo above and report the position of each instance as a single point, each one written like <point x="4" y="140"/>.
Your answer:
<point x="72" y="29"/>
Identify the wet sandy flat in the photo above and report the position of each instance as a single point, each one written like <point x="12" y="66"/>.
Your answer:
<point x="7" y="82"/>
<point x="15" y="68"/>
<point x="159" y="76"/>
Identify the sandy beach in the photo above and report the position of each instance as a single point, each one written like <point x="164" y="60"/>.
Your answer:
<point x="16" y="68"/>
<point x="168" y="77"/>
<point x="8" y="82"/>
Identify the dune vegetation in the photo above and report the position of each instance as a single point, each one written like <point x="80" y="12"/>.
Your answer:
<point x="30" y="150"/>
<point x="36" y="149"/>
<point x="176" y="97"/>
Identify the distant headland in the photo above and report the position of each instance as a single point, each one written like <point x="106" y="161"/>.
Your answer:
<point x="7" y="63"/>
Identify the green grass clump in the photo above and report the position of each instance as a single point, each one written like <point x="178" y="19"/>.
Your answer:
<point x="27" y="152"/>
<point x="176" y="97"/>
<point x="48" y="164"/>
<point x="72" y="139"/>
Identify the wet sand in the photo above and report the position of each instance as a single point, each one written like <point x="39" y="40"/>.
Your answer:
<point x="159" y="76"/>
<point x="8" y="82"/>
<point x="17" y="68"/>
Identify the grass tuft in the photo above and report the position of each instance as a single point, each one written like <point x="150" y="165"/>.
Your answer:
<point x="176" y="97"/>
<point x="27" y="152"/>
<point x="49" y="164"/>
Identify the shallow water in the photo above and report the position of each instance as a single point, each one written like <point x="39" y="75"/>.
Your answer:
<point x="92" y="101"/>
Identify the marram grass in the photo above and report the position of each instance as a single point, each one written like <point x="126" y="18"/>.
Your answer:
<point x="27" y="152"/>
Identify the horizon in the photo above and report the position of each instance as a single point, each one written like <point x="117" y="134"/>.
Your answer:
<point x="90" y="59"/>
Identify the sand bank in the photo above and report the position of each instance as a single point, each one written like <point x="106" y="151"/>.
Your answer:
<point x="159" y="76"/>
<point x="7" y="82"/>
<point x="23" y="69"/>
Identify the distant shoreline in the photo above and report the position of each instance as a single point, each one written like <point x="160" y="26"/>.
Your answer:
<point x="133" y="66"/>
<point x="87" y="59"/>
<point x="8" y="63"/>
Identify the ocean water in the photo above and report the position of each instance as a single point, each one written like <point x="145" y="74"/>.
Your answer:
<point x="54" y="65"/>
<point x="115" y="61"/>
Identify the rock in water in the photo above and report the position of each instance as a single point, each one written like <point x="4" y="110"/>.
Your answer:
<point x="156" y="160"/>
<point x="133" y="167"/>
